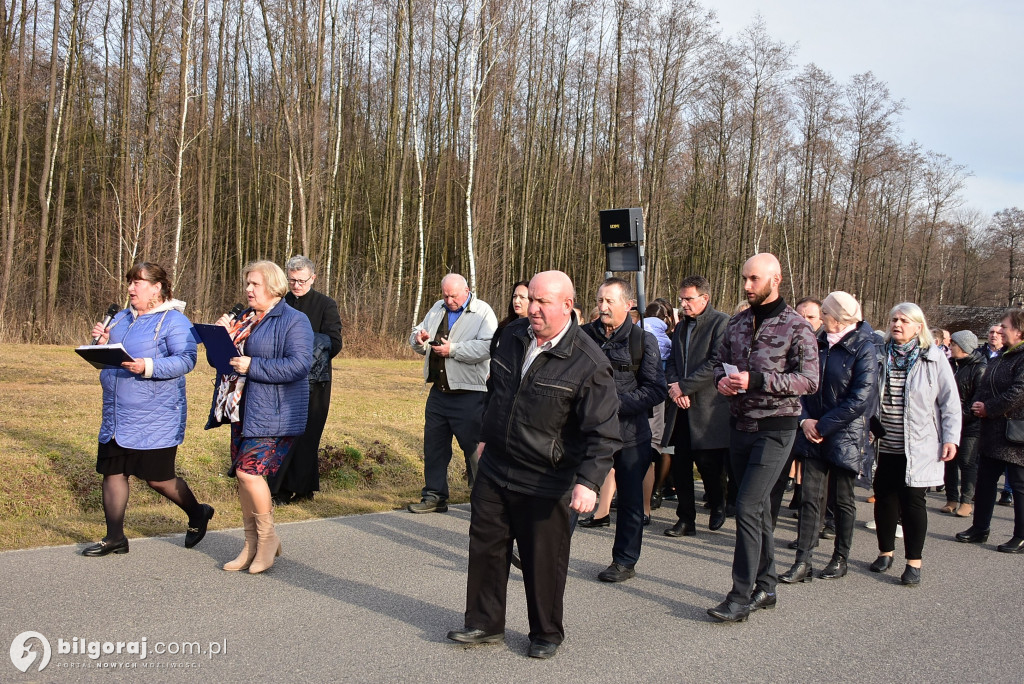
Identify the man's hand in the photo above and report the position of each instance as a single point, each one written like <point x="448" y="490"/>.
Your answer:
<point x="673" y="391"/>
<point x="810" y="428"/>
<point x="948" y="451"/>
<point x="444" y="349"/>
<point x="583" y="499"/>
<point x="725" y="387"/>
<point x="978" y="409"/>
<point x="422" y="336"/>
<point x="740" y="381"/>
<point x="479" y="451"/>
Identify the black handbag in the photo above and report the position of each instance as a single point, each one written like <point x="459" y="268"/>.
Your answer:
<point x="1015" y="431"/>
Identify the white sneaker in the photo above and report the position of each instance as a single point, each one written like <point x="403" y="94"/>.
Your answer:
<point x="870" y="524"/>
<point x="899" y="531"/>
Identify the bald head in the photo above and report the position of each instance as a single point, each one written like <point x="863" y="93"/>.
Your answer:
<point x="762" y="275"/>
<point x="454" y="291"/>
<point x="551" y="300"/>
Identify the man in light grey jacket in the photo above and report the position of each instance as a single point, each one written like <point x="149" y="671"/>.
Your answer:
<point x="455" y="337"/>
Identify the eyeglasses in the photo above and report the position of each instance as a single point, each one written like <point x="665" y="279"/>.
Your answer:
<point x="296" y="281"/>
<point x="688" y="299"/>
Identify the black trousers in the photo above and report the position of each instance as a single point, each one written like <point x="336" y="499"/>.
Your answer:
<point x="989" y="470"/>
<point x="962" y="471"/>
<point x="300" y="469"/>
<point x="540" y="527"/>
<point x="818" y="477"/>
<point x="710" y="463"/>
<point x="757" y="459"/>
<point x="895" y="501"/>
<point x="779" y="488"/>
<point x="449" y="415"/>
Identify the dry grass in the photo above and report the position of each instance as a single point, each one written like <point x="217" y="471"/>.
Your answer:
<point x="50" y="414"/>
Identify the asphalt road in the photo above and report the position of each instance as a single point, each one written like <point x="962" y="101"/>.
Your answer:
<point x="370" y="598"/>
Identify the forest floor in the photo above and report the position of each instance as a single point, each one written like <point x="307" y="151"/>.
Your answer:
<point x="50" y="404"/>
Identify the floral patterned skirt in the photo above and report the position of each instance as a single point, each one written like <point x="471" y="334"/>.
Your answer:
<point x="257" y="455"/>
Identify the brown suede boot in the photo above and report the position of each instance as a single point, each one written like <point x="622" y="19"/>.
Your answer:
<point x="249" y="549"/>
<point x="268" y="543"/>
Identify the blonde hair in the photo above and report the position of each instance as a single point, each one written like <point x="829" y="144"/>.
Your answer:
<point x="914" y="313"/>
<point x="274" y="278"/>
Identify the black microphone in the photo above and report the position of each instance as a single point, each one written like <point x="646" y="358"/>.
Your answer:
<point x="111" y="312"/>
<point x="235" y="310"/>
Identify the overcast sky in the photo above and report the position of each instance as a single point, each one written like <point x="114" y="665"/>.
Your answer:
<point x="958" y="66"/>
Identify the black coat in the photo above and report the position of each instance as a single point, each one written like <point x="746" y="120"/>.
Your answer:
<point x="709" y="411"/>
<point x="555" y="427"/>
<point x="322" y="312"/>
<point x="968" y="372"/>
<point x="638" y="392"/>
<point x="1002" y="392"/>
<point x="846" y="399"/>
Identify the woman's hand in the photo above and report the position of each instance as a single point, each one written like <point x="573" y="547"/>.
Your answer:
<point x="101" y="334"/>
<point x="978" y="409"/>
<point x="241" y="364"/>
<point x="138" y="366"/>
<point x="948" y="451"/>
<point x="810" y="428"/>
<point x="225" y="320"/>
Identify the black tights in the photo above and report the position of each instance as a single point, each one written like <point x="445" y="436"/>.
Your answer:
<point x="115" y="500"/>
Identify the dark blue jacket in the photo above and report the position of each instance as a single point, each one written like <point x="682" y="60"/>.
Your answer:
<point x="846" y="399"/>
<point x="638" y="392"/>
<point x="275" y="399"/>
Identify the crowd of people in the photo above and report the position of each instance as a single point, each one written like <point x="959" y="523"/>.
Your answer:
<point x="559" y="418"/>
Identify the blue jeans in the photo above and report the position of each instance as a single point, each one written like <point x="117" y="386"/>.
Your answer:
<point x="757" y="460"/>
<point x="448" y="415"/>
<point x="630" y="467"/>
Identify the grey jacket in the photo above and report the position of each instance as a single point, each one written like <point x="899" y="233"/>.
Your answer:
<point x="709" y="411"/>
<point x="470" y="341"/>
<point x="931" y="417"/>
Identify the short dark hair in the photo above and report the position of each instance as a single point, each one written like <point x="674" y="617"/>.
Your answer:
<point x="627" y="289"/>
<point x="808" y="300"/>
<point x="699" y="283"/>
<point x="1016" y="317"/>
<point x="152" y="273"/>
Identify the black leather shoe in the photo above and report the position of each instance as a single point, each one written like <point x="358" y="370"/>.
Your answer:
<point x="606" y="521"/>
<point x="762" y="600"/>
<point x="911" y="576"/>
<point x="516" y="561"/>
<point x="835" y="569"/>
<point x="881" y="564"/>
<point x="475" y="636"/>
<point x="647" y="520"/>
<point x="795" y="544"/>
<point x="1015" y="545"/>
<point x="616" y="573"/>
<point x="681" y="529"/>
<point x="103" y="547"/>
<point x="828" y="532"/>
<point x="800" y="572"/>
<point x="972" y="536"/>
<point x="656" y="501"/>
<point x="1005" y="499"/>
<point x="195" y="533"/>
<point x="542" y="649"/>
<point x="428" y="506"/>
<point x="727" y="611"/>
<point x="716" y="520"/>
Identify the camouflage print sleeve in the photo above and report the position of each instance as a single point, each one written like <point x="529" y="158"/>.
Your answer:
<point x="801" y="370"/>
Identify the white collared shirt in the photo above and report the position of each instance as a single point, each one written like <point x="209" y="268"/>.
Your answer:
<point x="535" y="350"/>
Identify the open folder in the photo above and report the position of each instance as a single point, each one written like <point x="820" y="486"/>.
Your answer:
<point x="104" y="355"/>
<point x="219" y="347"/>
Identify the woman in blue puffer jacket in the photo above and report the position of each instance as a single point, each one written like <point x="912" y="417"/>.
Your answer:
<point x="265" y="400"/>
<point x="144" y="407"/>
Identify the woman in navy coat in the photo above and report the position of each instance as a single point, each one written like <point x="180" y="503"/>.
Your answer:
<point x="265" y="400"/>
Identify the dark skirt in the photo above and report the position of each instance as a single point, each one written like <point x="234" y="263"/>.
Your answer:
<point x="257" y="455"/>
<point x="154" y="465"/>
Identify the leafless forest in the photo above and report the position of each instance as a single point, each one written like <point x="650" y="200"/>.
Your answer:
<point x="393" y="141"/>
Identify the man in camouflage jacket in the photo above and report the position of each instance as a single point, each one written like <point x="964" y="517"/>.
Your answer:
<point x="776" y="358"/>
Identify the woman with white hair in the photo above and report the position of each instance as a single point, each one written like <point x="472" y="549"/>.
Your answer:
<point x="833" y="435"/>
<point x="920" y="412"/>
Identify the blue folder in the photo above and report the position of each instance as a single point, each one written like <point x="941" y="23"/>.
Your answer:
<point x="219" y="347"/>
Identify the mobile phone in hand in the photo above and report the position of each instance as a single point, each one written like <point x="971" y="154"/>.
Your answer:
<point x="435" y="343"/>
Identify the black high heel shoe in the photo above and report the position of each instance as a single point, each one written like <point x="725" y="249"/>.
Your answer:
<point x="103" y="547"/>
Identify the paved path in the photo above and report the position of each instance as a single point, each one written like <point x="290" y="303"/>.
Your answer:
<point x="369" y="599"/>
